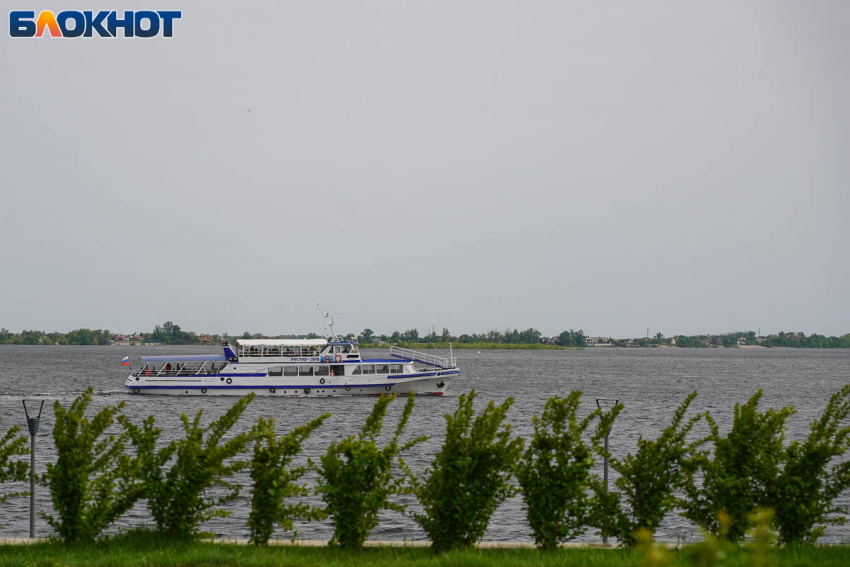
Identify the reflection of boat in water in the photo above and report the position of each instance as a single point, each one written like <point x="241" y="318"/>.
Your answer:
<point x="293" y="367"/>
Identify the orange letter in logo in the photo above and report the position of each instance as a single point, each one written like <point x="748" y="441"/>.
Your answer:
<point x="46" y="18"/>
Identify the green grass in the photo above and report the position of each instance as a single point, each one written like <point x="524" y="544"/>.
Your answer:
<point x="147" y="549"/>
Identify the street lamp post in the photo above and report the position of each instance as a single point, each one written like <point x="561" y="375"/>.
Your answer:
<point x="32" y="425"/>
<point x="599" y="403"/>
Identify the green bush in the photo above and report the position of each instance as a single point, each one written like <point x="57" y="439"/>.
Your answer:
<point x="735" y="477"/>
<point x="803" y="492"/>
<point x="555" y="473"/>
<point x="648" y="479"/>
<point x="92" y="482"/>
<point x="469" y="477"/>
<point x="356" y="477"/>
<point x="274" y="480"/>
<point x="13" y="445"/>
<point x="177" y="498"/>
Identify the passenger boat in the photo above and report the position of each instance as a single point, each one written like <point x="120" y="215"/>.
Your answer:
<point x="293" y="367"/>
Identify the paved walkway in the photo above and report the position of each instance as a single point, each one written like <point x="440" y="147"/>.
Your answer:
<point x="323" y="543"/>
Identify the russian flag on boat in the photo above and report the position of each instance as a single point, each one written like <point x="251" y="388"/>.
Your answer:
<point x="125" y="361"/>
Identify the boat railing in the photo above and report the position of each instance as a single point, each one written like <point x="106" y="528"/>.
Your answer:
<point x="276" y="354"/>
<point x="421" y="357"/>
<point x="159" y="374"/>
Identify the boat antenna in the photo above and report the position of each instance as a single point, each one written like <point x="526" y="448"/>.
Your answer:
<point x="329" y="324"/>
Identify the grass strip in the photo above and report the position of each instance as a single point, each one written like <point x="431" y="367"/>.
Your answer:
<point x="148" y="549"/>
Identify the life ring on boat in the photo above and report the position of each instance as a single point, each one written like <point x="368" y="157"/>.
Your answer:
<point x="327" y="358"/>
<point x="203" y="390"/>
<point x="337" y="358"/>
<point x="388" y="387"/>
<point x="306" y="390"/>
<point x="230" y="380"/>
<point x="135" y="390"/>
<point x="321" y="380"/>
<point x="347" y="388"/>
<point x="271" y="390"/>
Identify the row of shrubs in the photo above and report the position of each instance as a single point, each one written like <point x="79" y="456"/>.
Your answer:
<point x="717" y="481"/>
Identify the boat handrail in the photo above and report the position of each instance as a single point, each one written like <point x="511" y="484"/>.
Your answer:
<point x="272" y="354"/>
<point x="424" y="358"/>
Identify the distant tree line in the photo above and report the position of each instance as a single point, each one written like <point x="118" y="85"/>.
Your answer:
<point x="167" y="333"/>
<point x="749" y="338"/>
<point x="75" y="337"/>
<point x="508" y="336"/>
<point x="800" y="340"/>
<point x="170" y="333"/>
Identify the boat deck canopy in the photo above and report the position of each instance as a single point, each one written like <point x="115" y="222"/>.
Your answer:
<point x="186" y="358"/>
<point x="283" y="342"/>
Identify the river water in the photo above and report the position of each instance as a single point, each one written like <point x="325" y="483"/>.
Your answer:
<point x="650" y="382"/>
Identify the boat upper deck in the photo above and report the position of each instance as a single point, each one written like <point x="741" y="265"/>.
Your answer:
<point x="294" y="350"/>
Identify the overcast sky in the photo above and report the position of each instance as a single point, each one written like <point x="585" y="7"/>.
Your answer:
<point x="609" y="166"/>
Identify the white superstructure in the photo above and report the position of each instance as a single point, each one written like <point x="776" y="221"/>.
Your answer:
<point x="293" y="367"/>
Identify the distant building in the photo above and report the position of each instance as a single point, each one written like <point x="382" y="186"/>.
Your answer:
<point x="206" y="338"/>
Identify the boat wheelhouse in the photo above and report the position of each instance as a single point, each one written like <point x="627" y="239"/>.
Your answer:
<point x="293" y="367"/>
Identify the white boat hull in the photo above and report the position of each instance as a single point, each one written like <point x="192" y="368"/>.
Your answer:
<point x="433" y="382"/>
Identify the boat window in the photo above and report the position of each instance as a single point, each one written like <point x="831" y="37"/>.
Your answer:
<point x="321" y="370"/>
<point x="396" y="369"/>
<point x="305" y="370"/>
<point x="336" y="350"/>
<point x="368" y="369"/>
<point x="189" y="368"/>
<point x="276" y="371"/>
<point x="290" y="371"/>
<point x="214" y="369"/>
<point x="383" y="369"/>
<point x="356" y="371"/>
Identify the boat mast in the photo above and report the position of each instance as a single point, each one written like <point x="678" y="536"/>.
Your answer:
<point x="329" y="324"/>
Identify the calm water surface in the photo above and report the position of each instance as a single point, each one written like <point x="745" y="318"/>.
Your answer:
<point x="651" y="383"/>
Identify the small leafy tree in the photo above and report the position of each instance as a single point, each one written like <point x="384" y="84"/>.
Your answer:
<point x="177" y="498"/>
<point x="803" y="493"/>
<point x="555" y="473"/>
<point x="469" y="477"/>
<point x="737" y="474"/>
<point x="274" y="481"/>
<point x="648" y="479"/>
<point x="91" y="483"/>
<point x="356" y="477"/>
<point x="13" y="445"/>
